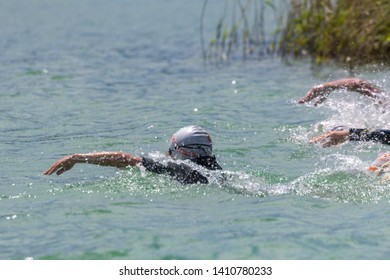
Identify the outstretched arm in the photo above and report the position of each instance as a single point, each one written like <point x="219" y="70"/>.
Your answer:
<point x="331" y="138"/>
<point x="353" y="84"/>
<point x="339" y="136"/>
<point x="115" y="159"/>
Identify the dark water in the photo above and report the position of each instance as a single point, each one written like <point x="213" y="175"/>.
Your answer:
<point x="124" y="75"/>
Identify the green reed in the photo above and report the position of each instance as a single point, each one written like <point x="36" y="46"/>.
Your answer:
<point x="241" y="30"/>
<point x="348" y="31"/>
<point x="353" y="32"/>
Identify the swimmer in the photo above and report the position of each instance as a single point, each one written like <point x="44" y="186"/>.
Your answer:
<point x="191" y="143"/>
<point x="365" y="88"/>
<point x="341" y="134"/>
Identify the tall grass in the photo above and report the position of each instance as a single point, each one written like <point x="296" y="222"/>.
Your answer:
<point x="241" y="30"/>
<point x="347" y="31"/>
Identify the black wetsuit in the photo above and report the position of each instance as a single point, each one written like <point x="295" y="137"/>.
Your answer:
<point x="380" y="135"/>
<point x="181" y="171"/>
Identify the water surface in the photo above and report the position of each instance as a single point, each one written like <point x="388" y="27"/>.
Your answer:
<point x="125" y="75"/>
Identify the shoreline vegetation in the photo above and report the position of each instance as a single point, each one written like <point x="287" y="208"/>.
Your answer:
<point x="348" y="32"/>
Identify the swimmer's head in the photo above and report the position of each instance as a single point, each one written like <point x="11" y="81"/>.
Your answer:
<point x="190" y="142"/>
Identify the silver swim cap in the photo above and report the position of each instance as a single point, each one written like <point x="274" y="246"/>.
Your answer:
<point x="190" y="142"/>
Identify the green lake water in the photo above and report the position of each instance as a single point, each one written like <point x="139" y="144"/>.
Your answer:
<point x="84" y="76"/>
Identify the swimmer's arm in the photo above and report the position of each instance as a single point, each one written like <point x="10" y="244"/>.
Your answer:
<point x="114" y="159"/>
<point x="352" y="84"/>
<point x="331" y="138"/>
<point x="380" y="135"/>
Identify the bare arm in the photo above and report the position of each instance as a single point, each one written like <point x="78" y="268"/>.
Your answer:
<point x="340" y="134"/>
<point x="331" y="138"/>
<point x="115" y="159"/>
<point x="353" y="84"/>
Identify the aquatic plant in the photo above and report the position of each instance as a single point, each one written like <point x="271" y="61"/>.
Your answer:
<point x="245" y="31"/>
<point x="347" y="31"/>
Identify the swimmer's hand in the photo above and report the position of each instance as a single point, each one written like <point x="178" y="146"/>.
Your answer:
<point x="318" y="91"/>
<point x="331" y="138"/>
<point x="379" y="166"/>
<point x="62" y="165"/>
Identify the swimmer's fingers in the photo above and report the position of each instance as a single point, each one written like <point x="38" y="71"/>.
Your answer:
<point x="331" y="138"/>
<point x="385" y="165"/>
<point x="319" y="139"/>
<point x="324" y="140"/>
<point x="307" y="97"/>
<point x="319" y="91"/>
<point x="60" y="166"/>
<point x="51" y="170"/>
<point x="369" y="89"/>
<point x="320" y="100"/>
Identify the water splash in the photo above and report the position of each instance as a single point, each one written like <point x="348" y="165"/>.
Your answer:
<point x="337" y="178"/>
<point x="341" y="175"/>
